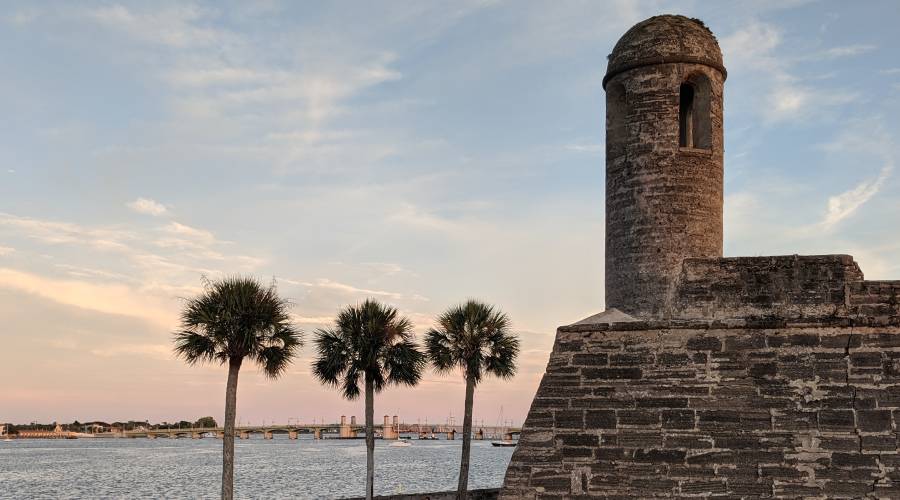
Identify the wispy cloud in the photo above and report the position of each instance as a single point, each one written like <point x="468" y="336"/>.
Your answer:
<point x="90" y="272"/>
<point x="753" y="50"/>
<point x="862" y="138"/>
<point x="318" y="92"/>
<point x="215" y="75"/>
<point x="222" y="93"/>
<point x="63" y="232"/>
<point x="177" y="27"/>
<point x="192" y="234"/>
<point x="586" y="148"/>
<point x="158" y="351"/>
<point x="312" y="320"/>
<point x="6" y="250"/>
<point x="751" y="44"/>
<point x="843" y="205"/>
<point x="106" y="298"/>
<point x="794" y="101"/>
<point x="413" y="215"/>
<point x="163" y="262"/>
<point x="324" y="283"/>
<point x="148" y="207"/>
<point x="848" y="50"/>
<point x="386" y="268"/>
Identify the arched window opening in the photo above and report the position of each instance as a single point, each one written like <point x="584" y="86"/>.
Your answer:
<point x="686" y="116"/>
<point x="694" y="119"/>
<point x="616" y="119"/>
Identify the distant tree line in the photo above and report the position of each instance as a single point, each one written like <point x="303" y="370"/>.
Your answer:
<point x="76" y="426"/>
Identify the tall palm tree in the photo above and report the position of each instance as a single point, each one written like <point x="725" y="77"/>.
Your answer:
<point x="233" y="319"/>
<point x="372" y="342"/>
<point x="474" y="338"/>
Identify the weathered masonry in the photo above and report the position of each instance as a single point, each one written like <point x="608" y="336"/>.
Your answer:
<point x="747" y="377"/>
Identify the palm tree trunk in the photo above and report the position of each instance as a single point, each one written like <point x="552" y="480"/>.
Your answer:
<point x="461" y="489"/>
<point x="234" y="366"/>
<point x="370" y="439"/>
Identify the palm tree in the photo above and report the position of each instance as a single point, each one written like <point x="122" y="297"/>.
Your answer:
<point x="233" y="319"/>
<point x="372" y="342"/>
<point x="475" y="338"/>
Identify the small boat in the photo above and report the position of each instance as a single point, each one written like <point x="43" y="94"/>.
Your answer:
<point x="506" y="443"/>
<point x="400" y="442"/>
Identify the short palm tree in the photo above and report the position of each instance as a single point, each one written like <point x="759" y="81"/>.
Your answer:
<point x="474" y="338"/>
<point x="373" y="343"/>
<point x="233" y="319"/>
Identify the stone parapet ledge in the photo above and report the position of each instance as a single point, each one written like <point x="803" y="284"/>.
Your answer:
<point x="480" y="494"/>
<point x="745" y="323"/>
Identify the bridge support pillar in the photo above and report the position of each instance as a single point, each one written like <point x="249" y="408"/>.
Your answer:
<point x="196" y="435"/>
<point x="388" y="431"/>
<point x="292" y="435"/>
<point x="480" y="434"/>
<point x="151" y="436"/>
<point x="317" y="434"/>
<point x="451" y="435"/>
<point x="507" y="436"/>
<point x="267" y="435"/>
<point x="220" y="434"/>
<point x="245" y="435"/>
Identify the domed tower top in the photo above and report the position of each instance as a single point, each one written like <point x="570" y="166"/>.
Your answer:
<point x="664" y="160"/>
<point x="665" y="39"/>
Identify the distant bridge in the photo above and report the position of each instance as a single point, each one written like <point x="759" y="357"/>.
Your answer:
<point x="342" y="430"/>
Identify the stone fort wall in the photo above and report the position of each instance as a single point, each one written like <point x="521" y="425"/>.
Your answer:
<point x="776" y="377"/>
<point x="687" y="409"/>
<point x="790" y="287"/>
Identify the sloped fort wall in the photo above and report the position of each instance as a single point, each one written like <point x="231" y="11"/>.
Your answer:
<point x="678" y="409"/>
<point x="781" y="379"/>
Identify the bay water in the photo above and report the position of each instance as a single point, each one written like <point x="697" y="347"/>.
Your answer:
<point x="266" y="469"/>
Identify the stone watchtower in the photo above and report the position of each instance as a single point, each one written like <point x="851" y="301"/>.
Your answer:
<point x="742" y="377"/>
<point x="664" y="172"/>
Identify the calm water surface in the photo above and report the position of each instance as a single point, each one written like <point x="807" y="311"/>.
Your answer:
<point x="279" y="468"/>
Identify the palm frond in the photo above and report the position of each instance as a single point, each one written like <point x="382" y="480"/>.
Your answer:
<point x="404" y="363"/>
<point x="501" y="359"/>
<point x="194" y="347"/>
<point x="473" y="337"/>
<point x="237" y="317"/>
<point x="371" y="341"/>
<point x="438" y="347"/>
<point x="350" y="384"/>
<point x="281" y="347"/>
<point x="333" y="358"/>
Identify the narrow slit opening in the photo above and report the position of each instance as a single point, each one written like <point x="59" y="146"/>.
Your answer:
<point x="686" y="116"/>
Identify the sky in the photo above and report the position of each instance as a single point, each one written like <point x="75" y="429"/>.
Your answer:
<point x="420" y="153"/>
